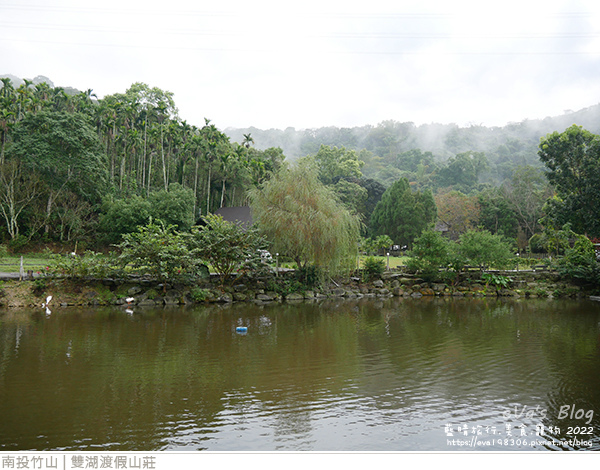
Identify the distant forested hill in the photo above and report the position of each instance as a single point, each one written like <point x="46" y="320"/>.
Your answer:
<point x="509" y="146"/>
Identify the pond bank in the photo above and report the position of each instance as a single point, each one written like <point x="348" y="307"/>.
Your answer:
<point x="146" y="293"/>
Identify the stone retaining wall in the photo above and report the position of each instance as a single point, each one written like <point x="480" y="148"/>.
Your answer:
<point x="145" y="293"/>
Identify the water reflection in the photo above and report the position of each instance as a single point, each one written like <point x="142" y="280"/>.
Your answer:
<point x="386" y="375"/>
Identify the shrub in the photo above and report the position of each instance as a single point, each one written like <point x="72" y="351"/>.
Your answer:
<point x="309" y="275"/>
<point x="430" y="252"/>
<point x="39" y="286"/>
<point x="579" y="262"/>
<point x="226" y="246"/>
<point x="159" y="251"/>
<point x="17" y="244"/>
<point x="199" y="295"/>
<point x="484" y="249"/>
<point x="373" y="267"/>
<point x="496" y="280"/>
<point x="90" y="264"/>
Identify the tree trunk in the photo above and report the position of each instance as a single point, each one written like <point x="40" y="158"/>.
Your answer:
<point x="196" y="187"/>
<point x="208" y="192"/>
<point x="48" y="212"/>
<point x="162" y="154"/>
<point x="149" y="172"/>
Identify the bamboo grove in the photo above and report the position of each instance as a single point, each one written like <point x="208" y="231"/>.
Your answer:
<point x="66" y="156"/>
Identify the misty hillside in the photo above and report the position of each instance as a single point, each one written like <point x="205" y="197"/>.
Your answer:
<point x="516" y="142"/>
<point x="17" y="82"/>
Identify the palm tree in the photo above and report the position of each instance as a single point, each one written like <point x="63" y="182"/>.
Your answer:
<point x="6" y="116"/>
<point x="248" y="140"/>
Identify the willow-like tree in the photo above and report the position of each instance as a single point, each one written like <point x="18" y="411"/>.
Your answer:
<point x="304" y="220"/>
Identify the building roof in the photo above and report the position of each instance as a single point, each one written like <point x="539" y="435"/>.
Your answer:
<point x="241" y="215"/>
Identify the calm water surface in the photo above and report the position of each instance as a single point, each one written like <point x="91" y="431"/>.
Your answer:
<point x="393" y="375"/>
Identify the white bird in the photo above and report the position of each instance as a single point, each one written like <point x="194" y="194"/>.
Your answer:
<point x="129" y="299"/>
<point x="45" y="305"/>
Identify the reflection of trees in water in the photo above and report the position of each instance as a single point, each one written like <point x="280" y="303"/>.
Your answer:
<point x="174" y="377"/>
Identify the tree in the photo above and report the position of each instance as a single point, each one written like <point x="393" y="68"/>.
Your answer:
<point x="403" y="214"/>
<point x="304" y="220"/>
<point x="484" y="249"/>
<point x="573" y="162"/>
<point x="226" y="246"/>
<point x="459" y="213"/>
<point x="334" y="163"/>
<point x="157" y="250"/>
<point x="64" y="150"/>
<point x="463" y="171"/>
<point x="496" y="213"/>
<point x="526" y="192"/>
<point x="17" y="192"/>
<point x="173" y="207"/>
<point x="430" y="252"/>
<point x="579" y="261"/>
<point x="121" y="216"/>
<point x="352" y="195"/>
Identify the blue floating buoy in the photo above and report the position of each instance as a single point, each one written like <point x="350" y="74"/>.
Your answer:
<point x="242" y="329"/>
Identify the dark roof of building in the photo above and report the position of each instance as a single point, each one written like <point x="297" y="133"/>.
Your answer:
<point x="241" y="215"/>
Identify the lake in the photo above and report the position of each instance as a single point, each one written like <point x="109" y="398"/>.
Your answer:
<point x="367" y="375"/>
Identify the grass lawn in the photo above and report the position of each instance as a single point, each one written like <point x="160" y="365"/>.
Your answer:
<point x="395" y="261"/>
<point x="12" y="264"/>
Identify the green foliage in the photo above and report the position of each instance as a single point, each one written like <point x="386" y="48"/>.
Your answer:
<point x="496" y="280"/>
<point x="573" y="162"/>
<point x="18" y="244"/>
<point x="352" y="195"/>
<point x="496" y="214"/>
<point x="157" y="250"/>
<point x="121" y="216"/>
<point x="39" y="286"/>
<point x="309" y="275"/>
<point x="64" y="149"/>
<point x="403" y="214"/>
<point x="199" y="295"/>
<point x="152" y="294"/>
<point x="579" y="261"/>
<point x="90" y="264"/>
<point x="373" y="267"/>
<point x="538" y="243"/>
<point x="3" y="251"/>
<point x="557" y="241"/>
<point x="526" y="192"/>
<point x="383" y="242"/>
<point x="483" y="249"/>
<point x="334" y="163"/>
<point x="174" y="207"/>
<point x="226" y="246"/>
<point x="463" y="171"/>
<point x="430" y="252"/>
<point x="287" y="286"/>
<point x="304" y="220"/>
<point x="373" y="246"/>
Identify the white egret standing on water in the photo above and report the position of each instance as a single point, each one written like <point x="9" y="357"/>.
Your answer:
<point x="129" y="300"/>
<point x="45" y="305"/>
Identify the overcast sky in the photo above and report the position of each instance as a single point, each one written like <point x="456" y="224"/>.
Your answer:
<point x="278" y="64"/>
